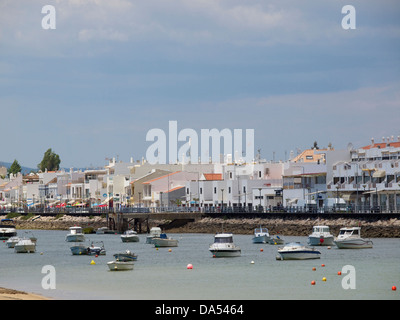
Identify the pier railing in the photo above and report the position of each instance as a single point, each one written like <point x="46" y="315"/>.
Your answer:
<point x="204" y="210"/>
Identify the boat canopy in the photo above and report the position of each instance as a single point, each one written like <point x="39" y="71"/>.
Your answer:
<point x="321" y="229"/>
<point x="349" y="231"/>
<point x="223" y="238"/>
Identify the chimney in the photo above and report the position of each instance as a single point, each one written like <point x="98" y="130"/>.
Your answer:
<point x="372" y="141"/>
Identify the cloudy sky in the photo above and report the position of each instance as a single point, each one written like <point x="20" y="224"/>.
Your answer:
<point x="112" y="70"/>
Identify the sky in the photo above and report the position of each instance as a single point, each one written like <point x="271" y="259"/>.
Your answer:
<point x="110" y="71"/>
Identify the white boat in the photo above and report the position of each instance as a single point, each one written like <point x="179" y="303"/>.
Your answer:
<point x="75" y="235"/>
<point x="261" y="235"/>
<point x="7" y="229"/>
<point x="120" y="265"/>
<point x="130" y="236"/>
<point x="11" y="242"/>
<point x="223" y="246"/>
<point x="155" y="232"/>
<point x="320" y="236"/>
<point x="165" y="241"/>
<point x="25" y="245"/>
<point x="297" y="251"/>
<point x="350" y="238"/>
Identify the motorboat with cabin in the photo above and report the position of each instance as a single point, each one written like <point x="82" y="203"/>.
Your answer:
<point x="223" y="246"/>
<point x="130" y="236"/>
<point x="321" y="236"/>
<point x="350" y="238"/>
<point x="7" y="229"/>
<point x="25" y="245"/>
<point x="75" y="235"/>
<point x="261" y="235"/>
<point x="297" y="251"/>
<point x="155" y="232"/>
<point x="164" y="241"/>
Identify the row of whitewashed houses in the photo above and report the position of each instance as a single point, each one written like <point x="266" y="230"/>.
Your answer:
<point x="365" y="178"/>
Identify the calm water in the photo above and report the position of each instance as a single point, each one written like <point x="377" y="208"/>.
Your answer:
<point x="160" y="274"/>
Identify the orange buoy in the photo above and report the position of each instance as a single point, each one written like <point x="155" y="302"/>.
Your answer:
<point x="261" y="249"/>
<point x="189" y="266"/>
<point x="322" y="265"/>
<point x="313" y="283"/>
<point x="394" y="288"/>
<point x="339" y="273"/>
<point x="314" y="268"/>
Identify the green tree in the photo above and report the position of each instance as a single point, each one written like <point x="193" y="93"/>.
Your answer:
<point x="15" y="168"/>
<point x="51" y="161"/>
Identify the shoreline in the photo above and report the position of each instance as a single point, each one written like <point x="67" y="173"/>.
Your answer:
<point x="11" y="294"/>
<point x="289" y="227"/>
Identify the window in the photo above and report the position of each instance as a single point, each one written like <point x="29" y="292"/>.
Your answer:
<point x="201" y="190"/>
<point x="229" y="189"/>
<point x="215" y="190"/>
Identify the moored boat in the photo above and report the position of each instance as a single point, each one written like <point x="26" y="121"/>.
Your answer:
<point x="261" y="235"/>
<point x="223" y="246"/>
<point x="117" y="265"/>
<point x="7" y="229"/>
<point x="75" y="235"/>
<point x="79" y="249"/>
<point x="130" y="236"/>
<point x="165" y="241"/>
<point x="11" y="242"/>
<point x="320" y="236"/>
<point x="297" y="251"/>
<point x="155" y="232"/>
<point x="25" y="245"/>
<point x="125" y="256"/>
<point x="350" y="238"/>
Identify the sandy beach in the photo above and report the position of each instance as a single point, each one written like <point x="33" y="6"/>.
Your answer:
<point x="11" y="294"/>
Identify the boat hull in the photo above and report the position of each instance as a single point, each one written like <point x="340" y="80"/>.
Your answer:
<point x="223" y="253"/>
<point x="120" y="265"/>
<point x="261" y="239"/>
<point x="25" y="248"/>
<point x="299" y="255"/>
<point x="130" y="238"/>
<point x="354" y="244"/>
<point x="158" y="242"/>
<point x="321" y="241"/>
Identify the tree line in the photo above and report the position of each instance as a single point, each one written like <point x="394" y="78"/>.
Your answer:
<point x="50" y="162"/>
